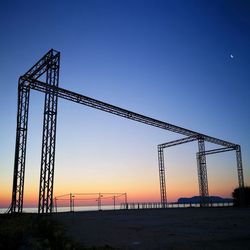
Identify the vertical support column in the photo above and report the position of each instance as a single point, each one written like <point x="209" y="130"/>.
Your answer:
<point x="239" y="167"/>
<point x="202" y="172"/>
<point x="240" y="175"/>
<point x="162" y="177"/>
<point x="45" y="204"/>
<point x="20" y="149"/>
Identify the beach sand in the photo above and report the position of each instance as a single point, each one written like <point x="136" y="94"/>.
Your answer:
<point x="184" y="228"/>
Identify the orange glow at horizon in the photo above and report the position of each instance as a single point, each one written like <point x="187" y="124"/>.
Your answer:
<point x="142" y="190"/>
<point x="137" y="190"/>
<point x="151" y="194"/>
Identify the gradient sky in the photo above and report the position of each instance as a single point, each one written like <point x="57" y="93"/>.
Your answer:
<point x="183" y="62"/>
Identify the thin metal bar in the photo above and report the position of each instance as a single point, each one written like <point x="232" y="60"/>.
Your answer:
<point x="178" y="142"/>
<point x="216" y="151"/>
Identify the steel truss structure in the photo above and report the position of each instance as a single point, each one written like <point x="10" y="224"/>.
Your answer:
<point x="49" y="66"/>
<point x="201" y="166"/>
<point x="202" y="171"/>
<point x="160" y="147"/>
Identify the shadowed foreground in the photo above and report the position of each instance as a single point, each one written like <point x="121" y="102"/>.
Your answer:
<point x="192" y="228"/>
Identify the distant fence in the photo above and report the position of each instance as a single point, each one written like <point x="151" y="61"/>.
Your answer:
<point x="151" y="205"/>
<point x="88" y="201"/>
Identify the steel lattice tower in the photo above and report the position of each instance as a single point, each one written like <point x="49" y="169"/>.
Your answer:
<point x="163" y="191"/>
<point x="20" y="150"/>
<point x="240" y="175"/>
<point x="49" y="138"/>
<point x="239" y="166"/>
<point x="202" y="172"/>
<point x="48" y="64"/>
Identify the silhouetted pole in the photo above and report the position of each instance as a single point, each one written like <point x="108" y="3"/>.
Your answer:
<point x="114" y="202"/>
<point x="71" y="202"/>
<point x="100" y="202"/>
<point x="126" y="200"/>
<point x="55" y="205"/>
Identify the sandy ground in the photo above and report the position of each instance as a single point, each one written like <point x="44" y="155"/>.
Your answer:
<point x="186" y="228"/>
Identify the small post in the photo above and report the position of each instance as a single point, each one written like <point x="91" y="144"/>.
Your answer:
<point x="70" y="202"/>
<point x="126" y="201"/>
<point x="99" y="202"/>
<point x="55" y="205"/>
<point x="114" y="201"/>
<point x="73" y="203"/>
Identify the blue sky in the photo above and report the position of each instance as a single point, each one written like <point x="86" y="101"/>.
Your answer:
<point x="167" y="59"/>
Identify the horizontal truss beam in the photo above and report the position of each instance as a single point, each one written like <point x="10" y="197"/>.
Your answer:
<point x="78" y="98"/>
<point x="216" y="151"/>
<point x="177" y="142"/>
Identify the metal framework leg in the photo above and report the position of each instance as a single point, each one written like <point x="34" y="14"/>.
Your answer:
<point x="20" y="150"/>
<point x="240" y="175"/>
<point x="202" y="172"/>
<point x="239" y="167"/>
<point x="49" y="139"/>
<point x="162" y="177"/>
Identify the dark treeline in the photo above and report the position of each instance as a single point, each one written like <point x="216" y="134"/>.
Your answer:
<point x="237" y="196"/>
